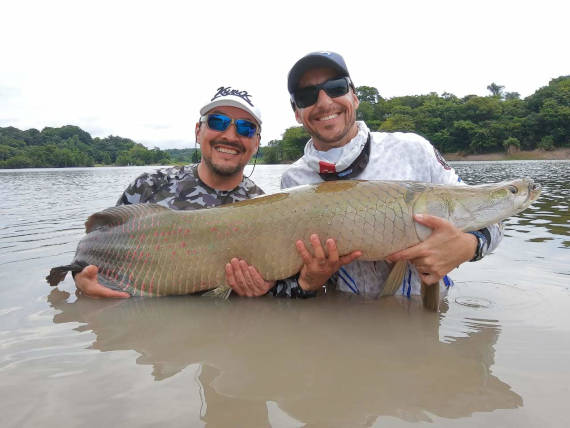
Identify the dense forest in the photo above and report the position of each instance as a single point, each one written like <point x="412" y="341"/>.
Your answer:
<point x="71" y="146"/>
<point x="471" y="124"/>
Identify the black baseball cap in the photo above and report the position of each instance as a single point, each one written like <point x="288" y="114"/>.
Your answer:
<point x="315" y="60"/>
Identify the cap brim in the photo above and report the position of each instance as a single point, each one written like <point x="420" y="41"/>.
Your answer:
<point x="222" y="102"/>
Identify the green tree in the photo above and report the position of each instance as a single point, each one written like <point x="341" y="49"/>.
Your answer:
<point x="511" y="142"/>
<point x="496" y="90"/>
<point x="398" y="122"/>
<point x="293" y="143"/>
<point x="367" y="94"/>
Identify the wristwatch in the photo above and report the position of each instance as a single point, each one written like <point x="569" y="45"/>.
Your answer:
<point x="299" y="291"/>
<point x="481" y="242"/>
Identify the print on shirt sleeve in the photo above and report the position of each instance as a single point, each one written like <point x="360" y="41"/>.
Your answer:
<point x="441" y="160"/>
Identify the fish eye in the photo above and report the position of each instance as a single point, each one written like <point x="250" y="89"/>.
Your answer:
<point x="513" y="189"/>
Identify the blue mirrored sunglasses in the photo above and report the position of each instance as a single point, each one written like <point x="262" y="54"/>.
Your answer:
<point x="221" y="122"/>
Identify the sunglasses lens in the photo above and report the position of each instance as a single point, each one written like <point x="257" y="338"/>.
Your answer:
<point x="305" y="97"/>
<point x="218" y="122"/>
<point x="245" y="128"/>
<point x="336" y="88"/>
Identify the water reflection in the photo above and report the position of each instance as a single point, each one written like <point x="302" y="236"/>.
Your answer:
<point x="360" y="359"/>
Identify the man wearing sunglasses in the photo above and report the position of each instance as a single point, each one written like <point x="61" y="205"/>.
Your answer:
<point x="228" y="132"/>
<point x="324" y="101"/>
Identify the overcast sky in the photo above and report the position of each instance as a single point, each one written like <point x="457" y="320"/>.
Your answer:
<point x="142" y="69"/>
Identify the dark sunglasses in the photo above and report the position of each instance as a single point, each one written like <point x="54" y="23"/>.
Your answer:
<point x="305" y="97"/>
<point x="221" y="122"/>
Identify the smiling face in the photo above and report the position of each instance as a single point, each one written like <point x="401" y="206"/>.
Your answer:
<point x="330" y="121"/>
<point x="225" y="154"/>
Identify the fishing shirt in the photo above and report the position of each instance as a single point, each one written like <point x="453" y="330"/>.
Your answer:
<point x="180" y="188"/>
<point x="393" y="156"/>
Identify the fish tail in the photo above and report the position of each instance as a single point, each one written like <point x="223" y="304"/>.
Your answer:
<point x="222" y="292"/>
<point x="57" y="274"/>
<point x="430" y="296"/>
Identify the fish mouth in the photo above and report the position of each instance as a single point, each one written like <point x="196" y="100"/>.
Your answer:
<point x="534" y="190"/>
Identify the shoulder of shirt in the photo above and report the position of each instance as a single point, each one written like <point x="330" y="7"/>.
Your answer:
<point x="299" y="167"/>
<point x="251" y="187"/>
<point x="400" y="137"/>
<point x="406" y="141"/>
<point x="168" y="173"/>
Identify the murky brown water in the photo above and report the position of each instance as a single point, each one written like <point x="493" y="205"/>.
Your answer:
<point x="497" y="353"/>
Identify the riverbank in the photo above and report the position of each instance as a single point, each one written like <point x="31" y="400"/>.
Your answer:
<point x="558" y="154"/>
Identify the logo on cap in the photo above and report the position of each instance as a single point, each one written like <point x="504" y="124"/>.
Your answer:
<point x="228" y="91"/>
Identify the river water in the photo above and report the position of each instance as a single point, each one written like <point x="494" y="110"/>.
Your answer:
<point x="497" y="353"/>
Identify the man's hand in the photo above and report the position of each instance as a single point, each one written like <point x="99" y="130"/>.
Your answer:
<point x="246" y="280"/>
<point x="318" y="268"/>
<point x="86" y="282"/>
<point x="444" y="250"/>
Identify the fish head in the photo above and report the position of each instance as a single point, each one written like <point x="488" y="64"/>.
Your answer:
<point x="474" y="207"/>
<point x="491" y="203"/>
<point x="514" y="196"/>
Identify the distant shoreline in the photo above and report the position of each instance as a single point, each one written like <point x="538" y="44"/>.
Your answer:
<point x="558" y="154"/>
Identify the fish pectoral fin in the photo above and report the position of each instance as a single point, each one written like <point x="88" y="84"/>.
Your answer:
<point x="395" y="278"/>
<point x="221" y="292"/>
<point x="430" y="296"/>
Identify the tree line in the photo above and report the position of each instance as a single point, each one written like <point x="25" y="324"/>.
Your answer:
<point x="472" y="124"/>
<point x="71" y="146"/>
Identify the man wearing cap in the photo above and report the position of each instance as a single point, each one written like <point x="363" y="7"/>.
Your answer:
<point x="228" y="132"/>
<point x="324" y="101"/>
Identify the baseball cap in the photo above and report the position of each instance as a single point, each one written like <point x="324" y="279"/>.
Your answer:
<point x="232" y="97"/>
<point x="315" y="60"/>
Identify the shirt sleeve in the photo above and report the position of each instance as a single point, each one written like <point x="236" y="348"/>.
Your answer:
<point x="289" y="287"/>
<point x="140" y="190"/>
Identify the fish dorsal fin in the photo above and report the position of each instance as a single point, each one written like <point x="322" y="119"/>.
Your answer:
<point x="115" y="216"/>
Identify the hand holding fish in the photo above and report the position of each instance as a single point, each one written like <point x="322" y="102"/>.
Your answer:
<point x="86" y="282"/>
<point x="318" y="268"/>
<point x="445" y="249"/>
<point x="245" y="280"/>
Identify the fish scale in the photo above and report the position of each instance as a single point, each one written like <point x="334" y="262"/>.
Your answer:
<point x="148" y="249"/>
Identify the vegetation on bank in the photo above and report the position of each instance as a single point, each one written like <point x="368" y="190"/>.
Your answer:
<point x="499" y="122"/>
<point x="470" y="125"/>
<point x="71" y="146"/>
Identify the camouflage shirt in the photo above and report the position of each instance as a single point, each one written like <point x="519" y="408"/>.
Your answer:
<point x="180" y="188"/>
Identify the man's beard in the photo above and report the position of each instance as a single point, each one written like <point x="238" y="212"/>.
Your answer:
<point x="228" y="171"/>
<point x="337" y="138"/>
<point x="224" y="171"/>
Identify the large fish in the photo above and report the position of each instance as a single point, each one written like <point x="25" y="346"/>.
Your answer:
<point x="150" y="250"/>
